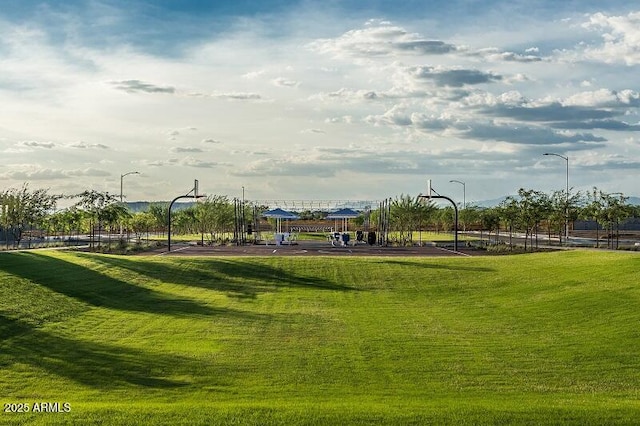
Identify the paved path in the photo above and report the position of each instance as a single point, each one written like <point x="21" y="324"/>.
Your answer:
<point x="310" y="248"/>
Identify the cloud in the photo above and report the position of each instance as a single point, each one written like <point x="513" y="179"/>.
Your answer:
<point x="88" y="172"/>
<point x="195" y="162"/>
<point x="422" y="121"/>
<point x="620" y="35"/>
<point x="152" y="163"/>
<point x="287" y="167"/>
<point x="185" y="162"/>
<point x="84" y="145"/>
<point x="236" y="96"/>
<point x="381" y="40"/>
<point x="527" y="135"/>
<point x="396" y="116"/>
<point x="348" y="95"/>
<point x="613" y="125"/>
<point x="604" y="98"/>
<point x="453" y="77"/>
<point x="35" y="144"/>
<point x="581" y="107"/>
<point x="178" y="149"/>
<point x="496" y="55"/>
<point x="345" y="119"/>
<point x="53" y="174"/>
<point x="547" y="113"/>
<point x="137" y="86"/>
<point x="253" y="74"/>
<point x="283" y="82"/>
<point x="427" y="91"/>
<point x="332" y="162"/>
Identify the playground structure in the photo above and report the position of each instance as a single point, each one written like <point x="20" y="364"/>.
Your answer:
<point x="251" y="220"/>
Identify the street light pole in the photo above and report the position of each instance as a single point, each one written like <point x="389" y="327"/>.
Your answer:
<point x="121" y="179"/>
<point x="566" y="207"/>
<point x="121" y="196"/>
<point x="464" y="192"/>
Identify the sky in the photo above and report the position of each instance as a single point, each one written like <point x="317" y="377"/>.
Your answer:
<point x="327" y="100"/>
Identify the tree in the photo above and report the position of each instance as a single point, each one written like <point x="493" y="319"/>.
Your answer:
<point x="22" y="208"/>
<point x="533" y="206"/>
<point x="407" y="214"/>
<point x="160" y="213"/>
<point x="97" y="206"/>
<point x="444" y="218"/>
<point x="141" y="223"/>
<point x="594" y="210"/>
<point x="508" y="212"/>
<point x="615" y="211"/>
<point x="490" y="219"/>
<point x="112" y="215"/>
<point x="469" y="216"/>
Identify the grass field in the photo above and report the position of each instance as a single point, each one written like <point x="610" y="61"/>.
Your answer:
<point x="550" y="338"/>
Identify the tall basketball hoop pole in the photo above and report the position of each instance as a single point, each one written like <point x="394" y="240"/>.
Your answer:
<point x="455" y="209"/>
<point x="194" y="196"/>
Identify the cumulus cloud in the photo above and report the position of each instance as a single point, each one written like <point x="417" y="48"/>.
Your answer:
<point x="137" y="86"/>
<point x="604" y="98"/>
<point x="381" y="39"/>
<point x="620" y="38"/>
<point x="414" y="96"/>
<point x="396" y="116"/>
<point x="497" y="55"/>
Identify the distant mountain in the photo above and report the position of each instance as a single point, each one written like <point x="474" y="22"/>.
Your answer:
<point x="496" y="201"/>
<point x="141" y="206"/>
<point x="489" y="203"/>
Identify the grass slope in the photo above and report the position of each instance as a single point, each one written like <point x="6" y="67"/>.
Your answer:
<point x="548" y="338"/>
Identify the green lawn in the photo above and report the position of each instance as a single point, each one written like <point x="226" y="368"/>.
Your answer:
<point x="548" y="338"/>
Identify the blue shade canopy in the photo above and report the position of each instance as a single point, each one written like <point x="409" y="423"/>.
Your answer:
<point x="280" y="214"/>
<point x="343" y="214"/>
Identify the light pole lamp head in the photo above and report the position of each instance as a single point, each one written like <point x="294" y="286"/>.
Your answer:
<point x="557" y="155"/>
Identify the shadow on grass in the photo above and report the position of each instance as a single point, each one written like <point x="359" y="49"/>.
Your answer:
<point x="241" y="278"/>
<point x="100" y="290"/>
<point x="92" y="364"/>
<point x="437" y="265"/>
